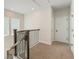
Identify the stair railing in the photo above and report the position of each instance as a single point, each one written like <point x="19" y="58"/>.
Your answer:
<point x="21" y="44"/>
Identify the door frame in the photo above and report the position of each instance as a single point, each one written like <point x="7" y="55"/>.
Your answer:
<point x="68" y="18"/>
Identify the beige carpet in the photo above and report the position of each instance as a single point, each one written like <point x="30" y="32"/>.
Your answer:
<point x="55" y="51"/>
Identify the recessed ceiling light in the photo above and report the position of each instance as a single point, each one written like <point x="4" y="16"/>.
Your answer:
<point x="32" y="8"/>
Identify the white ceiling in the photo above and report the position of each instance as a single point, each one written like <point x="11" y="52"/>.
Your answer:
<point x="25" y="6"/>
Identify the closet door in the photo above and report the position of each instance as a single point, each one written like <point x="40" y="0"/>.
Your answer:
<point x="61" y="29"/>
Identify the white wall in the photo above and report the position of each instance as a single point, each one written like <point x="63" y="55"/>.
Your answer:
<point x="31" y="21"/>
<point x="40" y="19"/>
<point x="62" y="12"/>
<point x="45" y="26"/>
<point x="53" y="26"/>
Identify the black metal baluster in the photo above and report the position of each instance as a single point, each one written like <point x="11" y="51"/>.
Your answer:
<point x="15" y="40"/>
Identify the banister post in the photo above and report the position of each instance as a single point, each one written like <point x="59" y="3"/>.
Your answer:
<point x="28" y="51"/>
<point x="27" y="39"/>
<point x="15" y="40"/>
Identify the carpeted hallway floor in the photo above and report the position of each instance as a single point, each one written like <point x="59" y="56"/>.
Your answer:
<point x="55" y="51"/>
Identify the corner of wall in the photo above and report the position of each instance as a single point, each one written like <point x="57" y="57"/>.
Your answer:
<point x="48" y="43"/>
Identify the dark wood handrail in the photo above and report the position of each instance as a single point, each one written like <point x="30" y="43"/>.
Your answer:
<point x="28" y="30"/>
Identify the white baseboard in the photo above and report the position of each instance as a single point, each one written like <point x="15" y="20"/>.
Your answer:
<point x="39" y="42"/>
<point x="45" y="42"/>
<point x="34" y="44"/>
<point x="72" y="49"/>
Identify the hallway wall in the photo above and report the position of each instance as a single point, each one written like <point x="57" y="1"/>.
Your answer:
<point x="45" y="26"/>
<point x="31" y="21"/>
<point x="40" y="19"/>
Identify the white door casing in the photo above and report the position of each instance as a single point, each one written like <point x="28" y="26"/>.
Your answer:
<point x="71" y="30"/>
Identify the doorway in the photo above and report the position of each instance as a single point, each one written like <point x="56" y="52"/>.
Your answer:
<point x="62" y="29"/>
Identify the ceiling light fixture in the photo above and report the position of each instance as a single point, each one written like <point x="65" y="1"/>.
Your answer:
<point x="32" y="8"/>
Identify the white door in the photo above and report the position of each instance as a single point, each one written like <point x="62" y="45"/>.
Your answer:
<point x="61" y="29"/>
